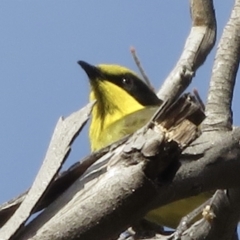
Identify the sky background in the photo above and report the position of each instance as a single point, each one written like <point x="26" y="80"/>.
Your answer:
<point x="40" y="44"/>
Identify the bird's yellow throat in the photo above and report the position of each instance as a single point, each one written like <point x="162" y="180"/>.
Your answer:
<point x="114" y="105"/>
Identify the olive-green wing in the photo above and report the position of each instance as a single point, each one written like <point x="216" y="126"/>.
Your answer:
<point x="129" y="124"/>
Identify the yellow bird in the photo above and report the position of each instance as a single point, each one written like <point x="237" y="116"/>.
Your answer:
<point x="124" y="104"/>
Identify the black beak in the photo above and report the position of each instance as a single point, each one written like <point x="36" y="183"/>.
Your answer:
<point x="92" y="71"/>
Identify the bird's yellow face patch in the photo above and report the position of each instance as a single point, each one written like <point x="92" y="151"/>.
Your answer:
<point x="113" y="99"/>
<point x="113" y="102"/>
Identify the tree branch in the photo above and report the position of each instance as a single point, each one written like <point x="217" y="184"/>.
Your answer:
<point x="218" y="108"/>
<point x="57" y="153"/>
<point x="197" y="47"/>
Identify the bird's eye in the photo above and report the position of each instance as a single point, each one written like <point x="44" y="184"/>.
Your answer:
<point x="127" y="82"/>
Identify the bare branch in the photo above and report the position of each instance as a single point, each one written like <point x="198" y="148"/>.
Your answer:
<point x="197" y="47"/>
<point x="214" y="159"/>
<point x="202" y="171"/>
<point x="218" y="108"/>
<point x="8" y="208"/>
<point x="60" y="184"/>
<point x="57" y="153"/>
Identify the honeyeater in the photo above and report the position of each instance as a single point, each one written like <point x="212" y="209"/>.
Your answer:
<point x="124" y="103"/>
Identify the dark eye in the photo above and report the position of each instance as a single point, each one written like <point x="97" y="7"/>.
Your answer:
<point x="127" y="82"/>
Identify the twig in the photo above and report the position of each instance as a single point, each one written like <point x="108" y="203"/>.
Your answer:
<point x="137" y="61"/>
<point x="195" y="91"/>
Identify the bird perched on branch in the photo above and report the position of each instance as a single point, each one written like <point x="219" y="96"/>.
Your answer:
<point x="124" y="104"/>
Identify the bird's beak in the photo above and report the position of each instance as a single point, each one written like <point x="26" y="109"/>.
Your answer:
<point x="92" y="71"/>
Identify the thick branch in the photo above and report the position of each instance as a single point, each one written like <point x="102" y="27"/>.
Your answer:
<point x="61" y="183"/>
<point x="213" y="170"/>
<point x="212" y="162"/>
<point x="218" y="108"/>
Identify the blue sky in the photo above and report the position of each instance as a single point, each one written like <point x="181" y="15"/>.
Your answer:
<point x="40" y="44"/>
